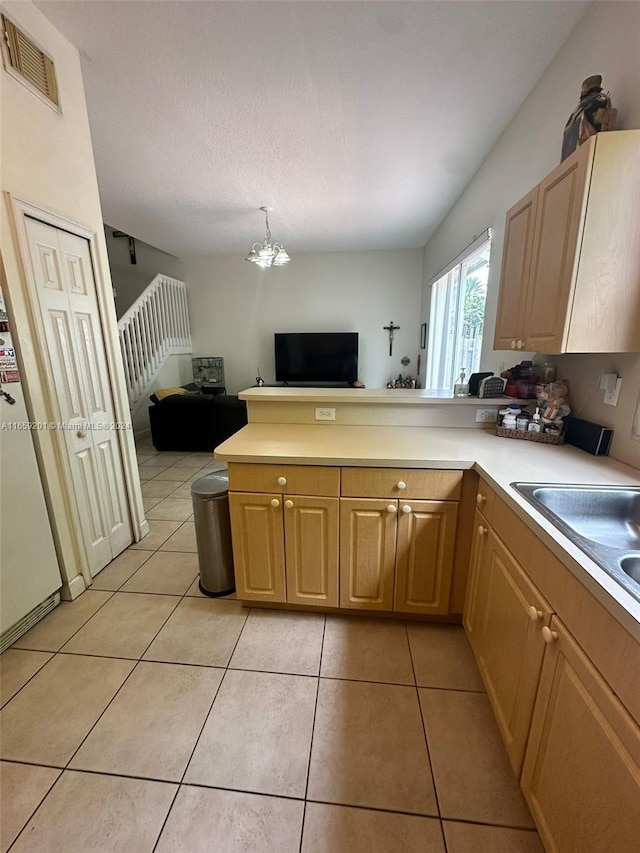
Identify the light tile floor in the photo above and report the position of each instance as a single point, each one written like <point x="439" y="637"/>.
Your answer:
<point x="146" y="717"/>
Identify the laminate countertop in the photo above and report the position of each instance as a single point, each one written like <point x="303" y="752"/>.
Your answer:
<point x="499" y="461"/>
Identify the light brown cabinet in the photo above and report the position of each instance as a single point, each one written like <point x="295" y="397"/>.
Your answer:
<point x="504" y="616"/>
<point x="562" y="678"/>
<point x="285" y="542"/>
<point x="377" y="547"/>
<point x="397" y="555"/>
<point x="397" y="551"/>
<point x="569" y="276"/>
<point x="581" y="774"/>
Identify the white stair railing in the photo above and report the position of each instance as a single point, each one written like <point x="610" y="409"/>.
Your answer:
<point x="155" y="327"/>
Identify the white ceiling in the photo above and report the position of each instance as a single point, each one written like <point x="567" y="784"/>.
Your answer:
<point x="359" y="122"/>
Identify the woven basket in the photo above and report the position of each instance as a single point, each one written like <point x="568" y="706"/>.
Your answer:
<point x="541" y="437"/>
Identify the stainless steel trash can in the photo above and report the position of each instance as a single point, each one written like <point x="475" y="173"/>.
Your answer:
<point x="210" y="496"/>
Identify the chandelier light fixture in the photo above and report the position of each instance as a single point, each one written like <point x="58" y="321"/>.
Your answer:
<point x="268" y="254"/>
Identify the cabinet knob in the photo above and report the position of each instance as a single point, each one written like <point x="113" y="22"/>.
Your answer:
<point x="402" y="485"/>
<point x="392" y="508"/>
<point x="481" y="530"/>
<point x="534" y="614"/>
<point x="406" y="508"/>
<point x="548" y="635"/>
<point x="520" y="344"/>
<point x="481" y="499"/>
<point x="513" y="344"/>
<point x="275" y="502"/>
<point x="288" y="504"/>
<point x="282" y="481"/>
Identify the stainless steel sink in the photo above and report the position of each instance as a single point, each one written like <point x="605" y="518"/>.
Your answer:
<point x="603" y="521"/>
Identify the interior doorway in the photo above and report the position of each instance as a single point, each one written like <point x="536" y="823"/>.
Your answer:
<point x="74" y="358"/>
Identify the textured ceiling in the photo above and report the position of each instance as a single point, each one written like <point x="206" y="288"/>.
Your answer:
<point x="359" y="122"/>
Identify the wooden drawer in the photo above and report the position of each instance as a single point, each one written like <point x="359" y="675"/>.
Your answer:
<point x="299" y="479"/>
<point x="419" y="484"/>
<point x="485" y="500"/>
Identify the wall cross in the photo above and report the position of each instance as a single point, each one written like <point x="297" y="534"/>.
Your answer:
<point x="391" y="329"/>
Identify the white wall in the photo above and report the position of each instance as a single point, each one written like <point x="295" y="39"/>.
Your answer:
<point x="47" y="160"/>
<point x="606" y="41"/>
<point x="129" y="280"/>
<point x="235" y="308"/>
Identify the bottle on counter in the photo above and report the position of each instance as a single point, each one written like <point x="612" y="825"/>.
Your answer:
<point x="461" y="388"/>
<point x="509" y="421"/>
<point x="536" y="422"/>
<point x="512" y="409"/>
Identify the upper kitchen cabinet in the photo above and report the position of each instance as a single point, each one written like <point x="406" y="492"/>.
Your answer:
<point x="570" y="279"/>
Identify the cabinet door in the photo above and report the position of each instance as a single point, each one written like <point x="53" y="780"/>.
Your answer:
<point x="473" y="604"/>
<point x="509" y="646"/>
<point x="515" y="272"/>
<point x="581" y="774"/>
<point x="424" y="556"/>
<point x="562" y="198"/>
<point x="258" y="546"/>
<point x="311" y="548"/>
<point x="367" y="553"/>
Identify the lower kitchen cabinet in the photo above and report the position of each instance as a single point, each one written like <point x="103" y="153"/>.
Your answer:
<point x="285" y="548"/>
<point x="367" y="553"/>
<point x="425" y="544"/>
<point x="581" y="774"/>
<point x="504" y="617"/>
<point x="397" y="555"/>
<point x="258" y="546"/>
<point x="311" y="550"/>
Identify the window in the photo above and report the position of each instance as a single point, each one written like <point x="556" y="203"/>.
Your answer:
<point x="456" y="317"/>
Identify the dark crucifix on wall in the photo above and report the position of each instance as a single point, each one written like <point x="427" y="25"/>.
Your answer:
<point x="391" y="329"/>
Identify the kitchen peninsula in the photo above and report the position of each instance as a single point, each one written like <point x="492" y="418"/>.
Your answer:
<point x="373" y="429"/>
<point x="396" y="501"/>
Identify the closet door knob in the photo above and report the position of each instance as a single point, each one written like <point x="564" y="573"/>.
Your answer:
<point x="534" y="614"/>
<point x="548" y="635"/>
<point x="406" y="508"/>
<point x="282" y="481"/>
<point x="402" y="485"/>
<point x="275" y="502"/>
<point x="392" y="508"/>
<point x="481" y="499"/>
<point x="482" y="530"/>
<point x="288" y="504"/>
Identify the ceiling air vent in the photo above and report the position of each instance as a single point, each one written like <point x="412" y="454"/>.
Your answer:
<point x="31" y="63"/>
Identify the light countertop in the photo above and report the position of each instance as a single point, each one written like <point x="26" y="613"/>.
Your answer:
<point x="368" y="396"/>
<point x="500" y="461"/>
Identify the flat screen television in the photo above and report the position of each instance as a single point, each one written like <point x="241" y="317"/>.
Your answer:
<point x="317" y="358"/>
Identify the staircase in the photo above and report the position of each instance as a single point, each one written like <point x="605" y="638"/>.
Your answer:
<point x="155" y="327"/>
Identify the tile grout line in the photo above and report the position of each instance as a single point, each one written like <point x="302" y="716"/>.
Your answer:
<point x="49" y="789"/>
<point x="426" y="740"/>
<point x="202" y="728"/>
<point x="313" y="728"/>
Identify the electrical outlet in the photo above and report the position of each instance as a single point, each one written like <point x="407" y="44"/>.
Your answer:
<point x="325" y="414"/>
<point x="611" y="397"/>
<point x="486" y="416"/>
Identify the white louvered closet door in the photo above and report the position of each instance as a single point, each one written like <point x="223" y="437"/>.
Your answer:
<point x="79" y="379"/>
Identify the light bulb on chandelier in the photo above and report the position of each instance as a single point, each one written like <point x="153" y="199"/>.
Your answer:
<point x="266" y="254"/>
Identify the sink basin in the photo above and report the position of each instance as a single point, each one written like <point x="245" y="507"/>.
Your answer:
<point x="603" y="521"/>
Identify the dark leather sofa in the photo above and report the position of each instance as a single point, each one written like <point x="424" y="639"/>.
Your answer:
<point x="195" y="422"/>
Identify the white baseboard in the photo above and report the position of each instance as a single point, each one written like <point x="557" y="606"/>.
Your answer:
<point x="71" y="590"/>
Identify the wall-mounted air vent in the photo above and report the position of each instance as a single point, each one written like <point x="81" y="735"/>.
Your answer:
<point x="26" y="59"/>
